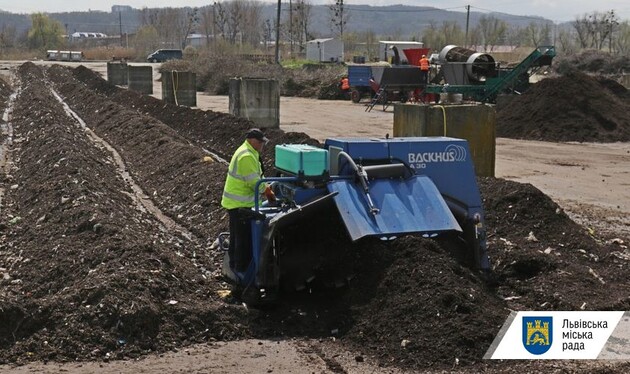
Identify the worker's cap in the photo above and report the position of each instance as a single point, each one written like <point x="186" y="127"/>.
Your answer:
<point x="424" y="55"/>
<point x="257" y="134"/>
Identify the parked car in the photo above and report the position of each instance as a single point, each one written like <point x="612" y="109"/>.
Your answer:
<point x="162" y="55"/>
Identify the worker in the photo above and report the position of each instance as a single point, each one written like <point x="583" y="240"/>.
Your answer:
<point x="244" y="172"/>
<point x="424" y="69"/>
<point x="344" y="86"/>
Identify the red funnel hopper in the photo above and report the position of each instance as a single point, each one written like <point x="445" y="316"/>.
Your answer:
<point x="414" y="55"/>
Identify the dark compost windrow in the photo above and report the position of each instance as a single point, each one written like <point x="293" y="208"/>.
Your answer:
<point x="90" y="274"/>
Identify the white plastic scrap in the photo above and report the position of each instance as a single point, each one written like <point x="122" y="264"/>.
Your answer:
<point x="625" y="255"/>
<point x="507" y="242"/>
<point x="593" y="273"/>
<point x="531" y="237"/>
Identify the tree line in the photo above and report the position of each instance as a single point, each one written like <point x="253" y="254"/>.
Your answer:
<point x="599" y="31"/>
<point x="243" y="25"/>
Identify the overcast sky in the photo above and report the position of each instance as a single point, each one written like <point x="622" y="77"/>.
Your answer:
<point x="556" y="10"/>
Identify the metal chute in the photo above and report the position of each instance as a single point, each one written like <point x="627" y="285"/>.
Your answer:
<point x="413" y="205"/>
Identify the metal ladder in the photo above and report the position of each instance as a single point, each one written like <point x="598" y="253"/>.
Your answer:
<point x="379" y="95"/>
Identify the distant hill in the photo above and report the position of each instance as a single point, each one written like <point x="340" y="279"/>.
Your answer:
<point x="94" y="21"/>
<point x="399" y="20"/>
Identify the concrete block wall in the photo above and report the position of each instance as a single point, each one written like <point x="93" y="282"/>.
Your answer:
<point x="257" y="100"/>
<point x="475" y="123"/>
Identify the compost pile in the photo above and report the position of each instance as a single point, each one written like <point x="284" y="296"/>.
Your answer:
<point x="87" y="274"/>
<point x="5" y="91"/>
<point x="573" y="107"/>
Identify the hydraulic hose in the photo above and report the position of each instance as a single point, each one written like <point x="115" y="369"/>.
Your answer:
<point x="362" y="178"/>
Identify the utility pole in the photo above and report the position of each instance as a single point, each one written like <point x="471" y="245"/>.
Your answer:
<point x="467" y="21"/>
<point x="341" y="18"/>
<point x="291" y="25"/>
<point x="610" y="45"/>
<point x="214" y="25"/>
<point x="120" y="24"/>
<point x="613" y="22"/>
<point x="278" y="33"/>
<point x="342" y="21"/>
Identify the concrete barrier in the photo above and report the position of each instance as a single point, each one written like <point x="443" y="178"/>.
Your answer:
<point x="117" y="73"/>
<point x="475" y="123"/>
<point x="257" y="100"/>
<point x="140" y="78"/>
<point x="179" y="88"/>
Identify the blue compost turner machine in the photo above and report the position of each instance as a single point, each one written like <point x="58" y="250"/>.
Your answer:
<point x="331" y="199"/>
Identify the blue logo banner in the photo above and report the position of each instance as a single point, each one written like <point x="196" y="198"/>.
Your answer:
<point x="537" y="334"/>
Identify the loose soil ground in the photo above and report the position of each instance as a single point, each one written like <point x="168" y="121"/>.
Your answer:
<point x="91" y="274"/>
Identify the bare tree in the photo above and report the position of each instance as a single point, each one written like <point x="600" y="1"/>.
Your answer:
<point x="304" y="20"/>
<point x="235" y="14"/>
<point x="593" y="29"/>
<point x="188" y="23"/>
<point x="492" y="30"/>
<point x="516" y="36"/>
<point x="221" y="19"/>
<point x="338" y="17"/>
<point x="453" y="33"/>
<point x="240" y="21"/>
<point x="611" y="23"/>
<point x="371" y="43"/>
<point x="8" y="37"/>
<point x="622" y="42"/>
<point x="396" y="34"/>
<point x="432" y="37"/>
<point x="252" y="22"/>
<point x="267" y="30"/>
<point x="297" y="22"/>
<point x="172" y="24"/>
<point x="436" y="37"/>
<point x="146" y="39"/>
<point x="474" y="37"/>
<point x="206" y="23"/>
<point x="600" y="27"/>
<point x="566" y="42"/>
<point x="149" y="16"/>
<point x="538" y="33"/>
<point x="581" y="26"/>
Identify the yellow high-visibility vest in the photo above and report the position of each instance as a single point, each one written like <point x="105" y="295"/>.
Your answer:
<point x="244" y="171"/>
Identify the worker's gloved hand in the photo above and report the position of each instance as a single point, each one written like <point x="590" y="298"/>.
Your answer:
<point x="271" y="197"/>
